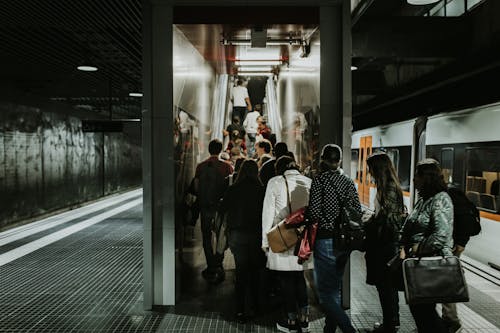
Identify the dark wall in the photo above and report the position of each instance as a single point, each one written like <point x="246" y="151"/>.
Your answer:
<point x="47" y="162"/>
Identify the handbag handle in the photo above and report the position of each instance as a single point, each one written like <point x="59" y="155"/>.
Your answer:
<point x="288" y="196"/>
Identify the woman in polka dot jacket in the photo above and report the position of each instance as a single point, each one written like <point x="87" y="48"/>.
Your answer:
<point x="331" y="190"/>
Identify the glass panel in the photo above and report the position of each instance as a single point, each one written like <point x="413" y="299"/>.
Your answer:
<point x="437" y="10"/>
<point x="355" y="164"/>
<point x="472" y="3"/>
<point x="447" y="164"/>
<point x="455" y="8"/>
<point x="482" y="177"/>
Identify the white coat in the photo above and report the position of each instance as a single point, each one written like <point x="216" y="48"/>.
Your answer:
<point x="275" y="209"/>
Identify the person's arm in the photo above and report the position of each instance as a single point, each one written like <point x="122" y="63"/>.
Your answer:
<point x="249" y="104"/>
<point x="268" y="210"/>
<point x="352" y="202"/>
<point x="313" y="212"/>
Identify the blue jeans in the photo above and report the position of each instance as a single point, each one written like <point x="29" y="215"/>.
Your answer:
<point x="329" y="267"/>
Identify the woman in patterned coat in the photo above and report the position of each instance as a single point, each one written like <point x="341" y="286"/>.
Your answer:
<point x="382" y="232"/>
<point x="330" y="192"/>
<point x="427" y="232"/>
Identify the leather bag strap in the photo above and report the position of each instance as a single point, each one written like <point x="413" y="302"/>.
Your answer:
<point x="288" y="196"/>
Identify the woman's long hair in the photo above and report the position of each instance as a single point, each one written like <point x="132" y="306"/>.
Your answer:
<point x="248" y="170"/>
<point x="384" y="174"/>
<point x="431" y="178"/>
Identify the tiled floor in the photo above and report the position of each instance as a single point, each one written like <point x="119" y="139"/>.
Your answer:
<point x="91" y="281"/>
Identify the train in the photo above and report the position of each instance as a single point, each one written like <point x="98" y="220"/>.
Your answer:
<point x="467" y="145"/>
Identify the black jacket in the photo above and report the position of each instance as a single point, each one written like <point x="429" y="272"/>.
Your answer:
<point x="243" y="203"/>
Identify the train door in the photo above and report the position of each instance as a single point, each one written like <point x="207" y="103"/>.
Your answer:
<point x="362" y="177"/>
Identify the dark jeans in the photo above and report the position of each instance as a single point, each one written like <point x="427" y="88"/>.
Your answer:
<point x="293" y="290"/>
<point x="214" y="261"/>
<point x="389" y="300"/>
<point x="240" y="112"/>
<point x="329" y="265"/>
<point x="249" y="261"/>
<point x="427" y="318"/>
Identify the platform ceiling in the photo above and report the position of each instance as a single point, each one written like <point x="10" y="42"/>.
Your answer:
<point x="408" y="64"/>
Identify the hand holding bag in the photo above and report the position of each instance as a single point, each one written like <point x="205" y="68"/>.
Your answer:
<point x="349" y="234"/>
<point x="308" y="238"/>
<point x="434" y="280"/>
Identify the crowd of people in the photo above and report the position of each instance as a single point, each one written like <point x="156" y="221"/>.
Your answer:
<point x="260" y="184"/>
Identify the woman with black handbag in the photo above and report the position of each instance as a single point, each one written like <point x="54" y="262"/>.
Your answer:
<point x="382" y="237"/>
<point x="331" y="191"/>
<point x="428" y="232"/>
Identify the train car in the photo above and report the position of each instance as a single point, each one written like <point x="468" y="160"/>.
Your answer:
<point x="466" y="143"/>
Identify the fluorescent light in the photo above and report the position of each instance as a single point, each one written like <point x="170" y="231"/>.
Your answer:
<point x="257" y="62"/>
<point x="257" y="74"/>
<point x="135" y="94"/>
<point x="354" y="68"/>
<point x="87" y="68"/>
<point x="422" y="2"/>
<point x="254" y="69"/>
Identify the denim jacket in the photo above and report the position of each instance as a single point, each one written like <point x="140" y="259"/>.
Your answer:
<point x="431" y="225"/>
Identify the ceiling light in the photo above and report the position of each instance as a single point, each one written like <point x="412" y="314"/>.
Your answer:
<point x="354" y="68"/>
<point x="257" y="74"/>
<point x="279" y="41"/>
<point x="87" y="68"/>
<point x="422" y="2"/>
<point x="135" y="94"/>
<point x="257" y="62"/>
<point x="254" y="69"/>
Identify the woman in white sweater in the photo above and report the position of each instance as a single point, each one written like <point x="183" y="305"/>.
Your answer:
<point x="285" y="265"/>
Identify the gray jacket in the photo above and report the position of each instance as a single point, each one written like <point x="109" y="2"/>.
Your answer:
<point x="430" y="224"/>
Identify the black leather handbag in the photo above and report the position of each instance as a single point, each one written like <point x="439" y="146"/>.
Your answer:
<point x="434" y="280"/>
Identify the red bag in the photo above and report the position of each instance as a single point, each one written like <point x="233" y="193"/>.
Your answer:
<point x="307" y="242"/>
<point x="296" y="219"/>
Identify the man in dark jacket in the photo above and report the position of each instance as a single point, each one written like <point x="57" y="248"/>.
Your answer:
<point x="267" y="170"/>
<point x="211" y="184"/>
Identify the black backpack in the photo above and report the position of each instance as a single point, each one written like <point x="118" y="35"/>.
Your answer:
<point x="466" y="219"/>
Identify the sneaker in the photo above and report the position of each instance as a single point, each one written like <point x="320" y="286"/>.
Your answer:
<point x="454" y="328"/>
<point x="286" y="326"/>
<point x="383" y="329"/>
<point x="207" y="274"/>
<point x="304" y="326"/>
<point x="241" y="318"/>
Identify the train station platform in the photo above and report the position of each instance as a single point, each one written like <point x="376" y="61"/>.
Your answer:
<point x="81" y="271"/>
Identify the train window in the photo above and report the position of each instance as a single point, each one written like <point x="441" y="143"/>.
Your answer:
<point x="355" y="164"/>
<point x="447" y="164"/>
<point x="483" y="177"/>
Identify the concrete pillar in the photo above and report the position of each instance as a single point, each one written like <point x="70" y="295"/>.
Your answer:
<point x="335" y="89"/>
<point x="158" y="153"/>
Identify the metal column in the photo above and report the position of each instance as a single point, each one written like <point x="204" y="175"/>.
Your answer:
<point x="335" y="89"/>
<point x="158" y="151"/>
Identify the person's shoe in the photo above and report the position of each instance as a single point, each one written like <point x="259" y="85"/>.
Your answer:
<point x="207" y="274"/>
<point x="240" y="318"/>
<point x="218" y="277"/>
<point x="383" y="329"/>
<point x="304" y="326"/>
<point x="453" y="327"/>
<point x="287" y="326"/>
